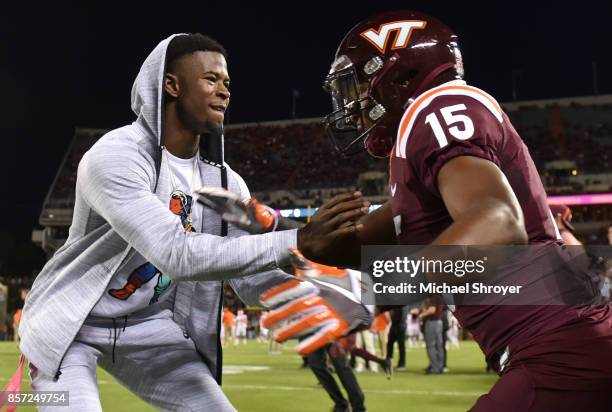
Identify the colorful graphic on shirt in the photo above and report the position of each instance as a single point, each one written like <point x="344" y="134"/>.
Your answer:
<point x="163" y="283"/>
<point x="139" y="277"/>
<point x="180" y="204"/>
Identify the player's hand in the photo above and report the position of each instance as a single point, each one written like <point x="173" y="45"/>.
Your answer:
<point x="325" y="305"/>
<point x="334" y="220"/>
<point x="248" y="215"/>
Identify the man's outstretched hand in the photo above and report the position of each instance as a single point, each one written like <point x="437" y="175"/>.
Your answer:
<point x="321" y="239"/>
<point x="324" y="239"/>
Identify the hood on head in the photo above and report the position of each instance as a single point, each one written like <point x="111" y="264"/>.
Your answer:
<point x="147" y="91"/>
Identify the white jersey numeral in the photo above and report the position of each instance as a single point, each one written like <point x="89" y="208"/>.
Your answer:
<point x="450" y="118"/>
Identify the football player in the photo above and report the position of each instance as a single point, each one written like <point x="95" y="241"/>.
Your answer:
<point x="241" y="327"/>
<point x="460" y="175"/>
<point x="563" y="219"/>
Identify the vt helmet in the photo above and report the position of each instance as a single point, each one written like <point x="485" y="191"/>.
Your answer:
<point x="381" y="65"/>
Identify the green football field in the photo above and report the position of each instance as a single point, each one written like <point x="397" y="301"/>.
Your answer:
<point x="256" y="381"/>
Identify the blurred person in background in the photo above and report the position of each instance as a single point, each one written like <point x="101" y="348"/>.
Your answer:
<point x="453" y="331"/>
<point x="445" y="326"/>
<point x="397" y="334"/>
<point x="16" y="322"/>
<point x="431" y="315"/>
<point x="365" y="341"/>
<point x="23" y="294"/>
<point x="563" y="218"/>
<point x="413" y="328"/>
<point x="264" y="332"/>
<point x="380" y="326"/>
<point x="338" y="352"/>
<point x="229" y="326"/>
<point x="241" y="327"/>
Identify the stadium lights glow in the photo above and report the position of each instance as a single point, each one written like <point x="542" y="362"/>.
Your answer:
<point x="570" y="200"/>
<point x="305" y="212"/>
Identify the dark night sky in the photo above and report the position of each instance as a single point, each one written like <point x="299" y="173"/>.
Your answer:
<point x="64" y="66"/>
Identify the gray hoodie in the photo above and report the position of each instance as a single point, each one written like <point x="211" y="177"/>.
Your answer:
<point x="120" y="210"/>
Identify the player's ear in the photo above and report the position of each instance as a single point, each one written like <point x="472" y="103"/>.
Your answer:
<point x="171" y="84"/>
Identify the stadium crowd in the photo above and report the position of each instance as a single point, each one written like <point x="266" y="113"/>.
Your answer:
<point x="261" y="152"/>
<point x="580" y="133"/>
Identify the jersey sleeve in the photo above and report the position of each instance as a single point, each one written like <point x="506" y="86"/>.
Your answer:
<point x="452" y="126"/>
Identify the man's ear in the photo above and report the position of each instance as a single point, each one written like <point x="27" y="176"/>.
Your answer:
<point x="171" y="84"/>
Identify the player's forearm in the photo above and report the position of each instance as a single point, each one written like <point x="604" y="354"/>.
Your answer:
<point x="287" y="224"/>
<point x="491" y="223"/>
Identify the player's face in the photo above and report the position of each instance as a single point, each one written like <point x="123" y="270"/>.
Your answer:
<point x="361" y="119"/>
<point x="203" y="92"/>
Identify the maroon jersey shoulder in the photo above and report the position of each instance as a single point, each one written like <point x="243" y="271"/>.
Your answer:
<point x="445" y="123"/>
<point x="442" y="126"/>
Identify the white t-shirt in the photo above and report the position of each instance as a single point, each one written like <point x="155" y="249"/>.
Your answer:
<point x="138" y="283"/>
<point x="241" y="321"/>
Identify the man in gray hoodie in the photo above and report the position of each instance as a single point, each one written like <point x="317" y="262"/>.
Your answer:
<point x="137" y="287"/>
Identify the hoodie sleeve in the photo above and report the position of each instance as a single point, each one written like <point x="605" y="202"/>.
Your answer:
<point x="117" y="186"/>
<point x="249" y="288"/>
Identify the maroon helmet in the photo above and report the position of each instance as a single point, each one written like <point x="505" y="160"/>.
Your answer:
<point x="382" y="64"/>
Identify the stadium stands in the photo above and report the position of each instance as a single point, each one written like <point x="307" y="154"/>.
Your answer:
<point x="292" y="164"/>
<point x="291" y="155"/>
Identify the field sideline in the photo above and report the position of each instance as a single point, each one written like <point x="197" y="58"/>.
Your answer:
<point x="256" y="381"/>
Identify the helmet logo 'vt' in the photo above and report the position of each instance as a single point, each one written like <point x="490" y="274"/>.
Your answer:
<point x="379" y="38"/>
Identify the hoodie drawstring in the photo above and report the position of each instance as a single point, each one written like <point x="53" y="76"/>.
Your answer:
<point x="115" y="333"/>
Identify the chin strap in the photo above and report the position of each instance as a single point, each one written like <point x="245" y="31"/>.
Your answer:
<point x="425" y="84"/>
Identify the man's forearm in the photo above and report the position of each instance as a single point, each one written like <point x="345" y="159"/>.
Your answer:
<point x="286" y="224"/>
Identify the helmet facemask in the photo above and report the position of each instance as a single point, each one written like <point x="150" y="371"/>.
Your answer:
<point x="355" y="112"/>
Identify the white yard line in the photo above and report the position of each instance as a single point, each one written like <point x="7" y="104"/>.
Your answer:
<point x="383" y="391"/>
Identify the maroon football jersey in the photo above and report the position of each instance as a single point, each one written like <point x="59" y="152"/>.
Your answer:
<point x="458" y="120"/>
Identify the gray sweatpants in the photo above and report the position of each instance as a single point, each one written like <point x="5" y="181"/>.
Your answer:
<point x="152" y="358"/>
<point x="433" y="341"/>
